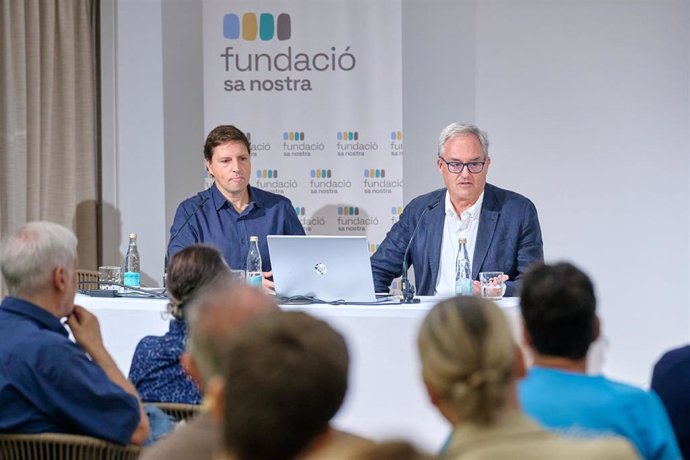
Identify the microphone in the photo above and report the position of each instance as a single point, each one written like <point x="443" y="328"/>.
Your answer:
<point x="177" y="233"/>
<point x="407" y="287"/>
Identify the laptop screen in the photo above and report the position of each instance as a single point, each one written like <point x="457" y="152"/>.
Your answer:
<point x="326" y="268"/>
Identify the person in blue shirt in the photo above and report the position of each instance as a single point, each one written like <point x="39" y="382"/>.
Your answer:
<point x="47" y="382"/>
<point x="156" y="371"/>
<point x="230" y="211"/>
<point x="558" y="310"/>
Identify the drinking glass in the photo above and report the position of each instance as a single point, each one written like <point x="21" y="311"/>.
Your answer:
<point x="110" y="274"/>
<point x="491" y="285"/>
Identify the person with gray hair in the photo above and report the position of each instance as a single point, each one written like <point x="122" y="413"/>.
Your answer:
<point x="470" y="365"/>
<point x="501" y="228"/>
<point x="47" y="382"/>
<point x="214" y="316"/>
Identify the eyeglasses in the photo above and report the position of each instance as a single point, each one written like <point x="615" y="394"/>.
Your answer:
<point x="456" y="167"/>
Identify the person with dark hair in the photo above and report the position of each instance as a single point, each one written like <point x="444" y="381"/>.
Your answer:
<point x="156" y="371"/>
<point x="231" y="210"/>
<point x="671" y="380"/>
<point x="558" y="308"/>
<point x="286" y="377"/>
<point x="470" y="365"/>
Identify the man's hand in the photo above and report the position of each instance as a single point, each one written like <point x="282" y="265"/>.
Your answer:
<point x="267" y="283"/>
<point x="476" y="290"/>
<point x="476" y="285"/>
<point x="85" y="329"/>
<point x="87" y="333"/>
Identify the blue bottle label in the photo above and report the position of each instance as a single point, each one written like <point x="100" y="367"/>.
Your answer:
<point x="463" y="287"/>
<point x="132" y="279"/>
<point x="254" y="279"/>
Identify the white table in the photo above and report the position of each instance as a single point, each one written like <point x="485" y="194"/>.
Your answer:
<point x="386" y="398"/>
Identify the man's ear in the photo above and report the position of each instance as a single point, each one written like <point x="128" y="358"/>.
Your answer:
<point x="191" y="370"/>
<point x="519" y="367"/>
<point x="596" y="330"/>
<point x="215" y="394"/>
<point x="526" y="337"/>
<point x="60" y="278"/>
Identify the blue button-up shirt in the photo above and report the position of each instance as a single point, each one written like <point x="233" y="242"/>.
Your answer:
<point x="49" y="384"/>
<point x="156" y="371"/>
<point x="210" y="219"/>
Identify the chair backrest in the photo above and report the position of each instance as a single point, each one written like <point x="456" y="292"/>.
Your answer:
<point x="178" y="411"/>
<point x="59" y="446"/>
<point x="88" y="279"/>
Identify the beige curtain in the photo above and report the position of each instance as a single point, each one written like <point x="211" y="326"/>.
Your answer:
<point x="49" y="117"/>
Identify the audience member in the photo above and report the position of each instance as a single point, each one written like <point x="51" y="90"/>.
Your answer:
<point x="214" y="316"/>
<point x="470" y="365"/>
<point x="47" y="382"/>
<point x="671" y="381"/>
<point x="558" y="309"/>
<point x="389" y="450"/>
<point x="286" y="378"/>
<point x="156" y="371"/>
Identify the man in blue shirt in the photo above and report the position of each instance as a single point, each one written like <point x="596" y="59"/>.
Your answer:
<point x="47" y="382"/>
<point x="231" y="210"/>
<point x="558" y="310"/>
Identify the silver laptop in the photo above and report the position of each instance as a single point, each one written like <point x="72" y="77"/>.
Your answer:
<point x="326" y="268"/>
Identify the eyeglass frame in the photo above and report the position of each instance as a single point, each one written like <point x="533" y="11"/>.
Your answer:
<point x="463" y="165"/>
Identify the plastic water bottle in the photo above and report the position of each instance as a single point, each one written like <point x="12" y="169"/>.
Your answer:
<point x="463" y="270"/>
<point x="132" y="272"/>
<point x="254" y="271"/>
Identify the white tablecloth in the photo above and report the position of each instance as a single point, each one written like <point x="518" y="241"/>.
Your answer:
<point x="386" y="398"/>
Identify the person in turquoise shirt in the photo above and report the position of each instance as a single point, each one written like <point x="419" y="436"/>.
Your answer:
<point x="558" y="308"/>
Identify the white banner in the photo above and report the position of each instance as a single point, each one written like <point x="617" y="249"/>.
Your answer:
<point x="317" y="86"/>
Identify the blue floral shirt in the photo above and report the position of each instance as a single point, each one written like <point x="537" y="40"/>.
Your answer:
<point x="156" y="371"/>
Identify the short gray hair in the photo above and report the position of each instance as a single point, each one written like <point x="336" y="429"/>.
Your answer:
<point x="30" y="254"/>
<point x="214" y="316"/>
<point x="459" y="129"/>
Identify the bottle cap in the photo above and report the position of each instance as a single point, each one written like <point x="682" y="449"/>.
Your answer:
<point x="462" y="240"/>
<point x="132" y="235"/>
<point x="254" y="238"/>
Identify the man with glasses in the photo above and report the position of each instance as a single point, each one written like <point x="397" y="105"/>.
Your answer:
<point x="501" y="227"/>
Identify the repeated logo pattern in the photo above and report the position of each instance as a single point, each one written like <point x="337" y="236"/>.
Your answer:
<point x="374" y="173"/>
<point x="348" y="135"/>
<point x="267" y="173"/>
<point x="320" y="173"/>
<point x="293" y="136"/>
<point x="265" y="27"/>
<point x="348" y="211"/>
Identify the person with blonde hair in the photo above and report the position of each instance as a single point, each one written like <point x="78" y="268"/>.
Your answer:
<point x="470" y="365"/>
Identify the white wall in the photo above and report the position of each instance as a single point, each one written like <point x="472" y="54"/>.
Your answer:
<point x="586" y="105"/>
<point x="133" y="137"/>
